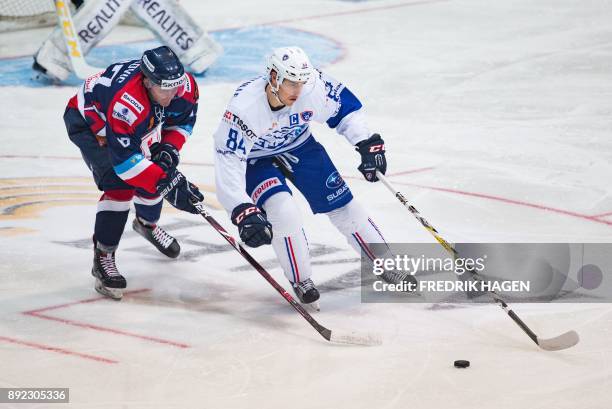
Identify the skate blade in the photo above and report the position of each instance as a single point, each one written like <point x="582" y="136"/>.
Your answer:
<point x="114" y="293"/>
<point x="313" y="306"/>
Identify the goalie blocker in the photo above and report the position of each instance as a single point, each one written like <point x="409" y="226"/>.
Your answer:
<point x="94" y="20"/>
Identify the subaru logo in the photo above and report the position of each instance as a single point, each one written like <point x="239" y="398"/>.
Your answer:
<point x="334" y="180"/>
<point x="285" y="57"/>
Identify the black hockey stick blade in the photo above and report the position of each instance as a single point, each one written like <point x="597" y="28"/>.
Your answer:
<point x="563" y="341"/>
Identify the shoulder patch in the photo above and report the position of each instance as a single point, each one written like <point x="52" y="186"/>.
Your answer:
<point x="90" y="82"/>
<point x="123" y="113"/>
<point x="133" y="102"/>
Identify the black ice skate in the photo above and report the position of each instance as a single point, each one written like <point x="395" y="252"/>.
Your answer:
<point x="164" y="242"/>
<point x="109" y="282"/>
<point x="398" y="277"/>
<point x="307" y="293"/>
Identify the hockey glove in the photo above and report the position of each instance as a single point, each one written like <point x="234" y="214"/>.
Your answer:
<point x="179" y="192"/>
<point x="254" y="229"/>
<point x="164" y="155"/>
<point x="372" y="152"/>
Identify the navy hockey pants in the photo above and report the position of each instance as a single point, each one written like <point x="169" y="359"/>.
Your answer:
<point x="114" y="204"/>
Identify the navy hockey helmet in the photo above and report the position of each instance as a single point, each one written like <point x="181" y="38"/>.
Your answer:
<point x="163" y="68"/>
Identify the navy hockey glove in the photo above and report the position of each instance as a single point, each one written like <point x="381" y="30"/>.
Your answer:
<point x="164" y="155"/>
<point x="255" y="230"/>
<point x="372" y="152"/>
<point x="179" y="192"/>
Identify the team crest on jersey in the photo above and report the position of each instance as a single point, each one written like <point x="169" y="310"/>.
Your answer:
<point x="306" y="115"/>
<point x="263" y="187"/>
<point x="123" y="113"/>
<point x="133" y="102"/>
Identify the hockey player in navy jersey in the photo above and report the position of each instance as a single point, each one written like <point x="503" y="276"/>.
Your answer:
<point x="264" y="139"/>
<point x="130" y="123"/>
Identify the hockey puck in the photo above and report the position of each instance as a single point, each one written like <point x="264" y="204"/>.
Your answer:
<point x="462" y="364"/>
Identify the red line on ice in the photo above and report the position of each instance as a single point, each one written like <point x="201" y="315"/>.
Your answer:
<point x="38" y="314"/>
<point x="80" y="158"/>
<point x="594" y="218"/>
<point x="58" y="350"/>
<point x="55" y="307"/>
<point x="406" y="172"/>
<point x="510" y="201"/>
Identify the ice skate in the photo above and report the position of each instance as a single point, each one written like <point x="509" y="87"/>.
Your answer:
<point x="164" y="242"/>
<point x="109" y="282"/>
<point x="398" y="277"/>
<point x="307" y="293"/>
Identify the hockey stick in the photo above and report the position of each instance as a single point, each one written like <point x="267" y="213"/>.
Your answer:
<point x="332" y="336"/>
<point x="73" y="47"/>
<point x="563" y="341"/>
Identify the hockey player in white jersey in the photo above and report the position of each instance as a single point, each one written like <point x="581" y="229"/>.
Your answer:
<point x="264" y="139"/>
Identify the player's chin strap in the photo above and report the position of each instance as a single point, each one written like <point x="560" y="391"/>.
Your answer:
<point x="274" y="89"/>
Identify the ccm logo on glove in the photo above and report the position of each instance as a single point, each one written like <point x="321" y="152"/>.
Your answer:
<point x="246" y="212"/>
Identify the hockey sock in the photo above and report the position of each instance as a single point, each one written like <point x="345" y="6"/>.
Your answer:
<point x="359" y="229"/>
<point x="113" y="210"/>
<point x="148" y="210"/>
<point x="289" y="240"/>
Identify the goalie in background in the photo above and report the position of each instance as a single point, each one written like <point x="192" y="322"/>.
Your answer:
<point x="94" y="19"/>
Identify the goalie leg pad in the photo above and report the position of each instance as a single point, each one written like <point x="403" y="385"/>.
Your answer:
<point x="92" y="22"/>
<point x="176" y="29"/>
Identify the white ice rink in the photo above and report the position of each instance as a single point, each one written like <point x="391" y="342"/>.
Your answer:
<point x="497" y="118"/>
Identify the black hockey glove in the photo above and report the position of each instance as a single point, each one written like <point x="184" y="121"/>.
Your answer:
<point x="255" y="230"/>
<point x="372" y="152"/>
<point x="164" y="155"/>
<point x="179" y="192"/>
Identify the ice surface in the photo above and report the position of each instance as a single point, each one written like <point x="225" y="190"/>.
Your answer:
<point x="497" y="119"/>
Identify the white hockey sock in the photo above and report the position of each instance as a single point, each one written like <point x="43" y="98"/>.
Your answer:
<point x="359" y="229"/>
<point x="289" y="241"/>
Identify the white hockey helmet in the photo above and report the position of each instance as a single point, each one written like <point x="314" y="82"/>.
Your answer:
<point x="290" y="63"/>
